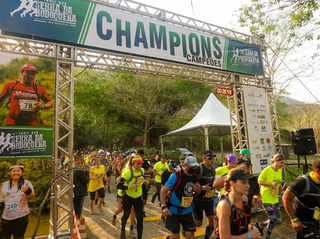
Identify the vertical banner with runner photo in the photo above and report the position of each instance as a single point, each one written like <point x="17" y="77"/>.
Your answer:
<point x="26" y="106"/>
<point x="260" y="136"/>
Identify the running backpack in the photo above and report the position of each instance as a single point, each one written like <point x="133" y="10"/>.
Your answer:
<point x="201" y="170"/>
<point x="177" y="184"/>
<point x="35" y="87"/>
<point x="131" y="177"/>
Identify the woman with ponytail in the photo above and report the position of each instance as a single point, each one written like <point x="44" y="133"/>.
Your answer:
<point x="232" y="210"/>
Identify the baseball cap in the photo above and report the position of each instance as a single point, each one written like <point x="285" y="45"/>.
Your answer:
<point x="210" y="155"/>
<point x="231" y="157"/>
<point x="163" y="155"/>
<point x="191" y="161"/>
<point x="124" y="155"/>
<point x="241" y="175"/>
<point x="101" y="152"/>
<point x="140" y="151"/>
<point x="108" y="153"/>
<point x="243" y="159"/>
<point x="29" y="67"/>
<point x="137" y="159"/>
<point x="172" y="164"/>
<point x="245" y="152"/>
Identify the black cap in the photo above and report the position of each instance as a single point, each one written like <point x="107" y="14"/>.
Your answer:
<point x="210" y="155"/>
<point x="243" y="159"/>
<point x="140" y="151"/>
<point x="240" y="175"/>
<point x="163" y="155"/>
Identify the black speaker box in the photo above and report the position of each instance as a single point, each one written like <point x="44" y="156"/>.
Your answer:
<point x="303" y="141"/>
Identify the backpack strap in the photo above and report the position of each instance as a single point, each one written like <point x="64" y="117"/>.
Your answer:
<point x="201" y="170"/>
<point x="178" y="174"/>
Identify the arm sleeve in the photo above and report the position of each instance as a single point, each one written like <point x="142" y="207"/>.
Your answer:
<point x="121" y="185"/>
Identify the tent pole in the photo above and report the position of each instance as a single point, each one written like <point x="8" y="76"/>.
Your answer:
<point x="206" y="135"/>
<point x="221" y="147"/>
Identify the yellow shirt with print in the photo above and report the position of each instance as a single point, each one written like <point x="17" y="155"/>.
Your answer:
<point x="270" y="194"/>
<point x="96" y="184"/>
<point x="137" y="178"/>
<point x="160" y="167"/>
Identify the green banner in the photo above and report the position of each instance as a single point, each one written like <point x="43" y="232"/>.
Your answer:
<point x="25" y="142"/>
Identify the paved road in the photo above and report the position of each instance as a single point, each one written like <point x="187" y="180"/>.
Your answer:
<point x="99" y="224"/>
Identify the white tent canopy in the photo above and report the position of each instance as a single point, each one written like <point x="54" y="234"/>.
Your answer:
<point x="212" y="119"/>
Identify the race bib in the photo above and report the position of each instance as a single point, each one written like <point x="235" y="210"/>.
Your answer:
<point x="27" y="105"/>
<point x="12" y="206"/>
<point x="274" y="191"/>
<point x="140" y="180"/>
<point x="209" y="194"/>
<point x="316" y="214"/>
<point x="186" y="201"/>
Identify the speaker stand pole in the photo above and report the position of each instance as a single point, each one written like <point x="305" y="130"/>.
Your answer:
<point x="298" y="161"/>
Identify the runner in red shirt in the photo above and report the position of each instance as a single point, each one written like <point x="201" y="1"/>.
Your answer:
<point x="25" y="96"/>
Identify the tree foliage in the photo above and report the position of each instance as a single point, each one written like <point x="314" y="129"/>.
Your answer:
<point x="284" y="26"/>
<point x="125" y="109"/>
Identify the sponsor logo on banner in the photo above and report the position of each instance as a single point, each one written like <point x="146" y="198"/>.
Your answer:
<point x="253" y="105"/>
<point x="263" y="161"/>
<point x="261" y="116"/>
<point x="261" y="111"/>
<point x="245" y="56"/>
<point x="50" y="11"/>
<point x="263" y="106"/>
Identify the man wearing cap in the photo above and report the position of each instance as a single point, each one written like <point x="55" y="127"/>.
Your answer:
<point x="230" y="163"/>
<point x="158" y="170"/>
<point x="179" y="211"/>
<point x="204" y="201"/>
<point x="24" y="98"/>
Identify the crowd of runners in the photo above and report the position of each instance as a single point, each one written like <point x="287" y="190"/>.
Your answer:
<point x="188" y="190"/>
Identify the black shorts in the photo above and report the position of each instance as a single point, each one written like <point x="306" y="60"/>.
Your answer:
<point x="200" y="206"/>
<point x="173" y="223"/>
<point x="100" y="194"/>
<point x="128" y="202"/>
<point x="16" y="227"/>
<point x="108" y="174"/>
<point x="310" y="232"/>
<point x="104" y="182"/>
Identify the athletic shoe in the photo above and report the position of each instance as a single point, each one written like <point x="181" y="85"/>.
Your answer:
<point x="103" y="203"/>
<point x="96" y="202"/>
<point x="144" y="214"/>
<point x="123" y="235"/>
<point x="260" y="227"/>
<point x="114" y="221"/>
<point x="132" y="235"/>
<point x="135" y="225"/>
<point x="109" y="190"/>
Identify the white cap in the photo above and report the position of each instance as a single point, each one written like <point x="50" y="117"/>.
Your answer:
<point x="191" y="161"/>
